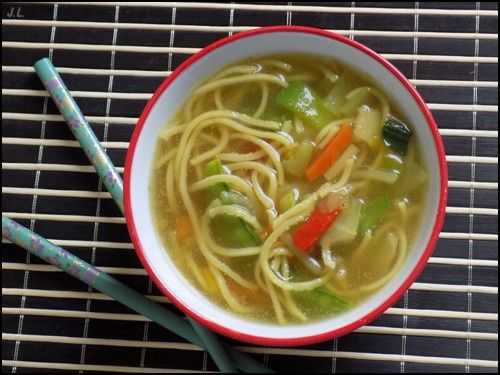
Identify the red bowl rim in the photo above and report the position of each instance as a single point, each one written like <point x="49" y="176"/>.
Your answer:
<point x="371" y="315"/>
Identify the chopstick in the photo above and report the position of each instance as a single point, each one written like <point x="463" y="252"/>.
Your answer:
<point x="223" y="355"/>
<point x="101" y="281"/>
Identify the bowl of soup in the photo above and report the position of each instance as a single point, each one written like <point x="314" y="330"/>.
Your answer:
<point x="285" y="185"/>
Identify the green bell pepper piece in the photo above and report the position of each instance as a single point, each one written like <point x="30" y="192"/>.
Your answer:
<point x="299" y="99"/>
<point x="233" y="231"/>
<point x="212" y="168"/>
<point x="372" y="212"/>
<point x="322" y="298"/>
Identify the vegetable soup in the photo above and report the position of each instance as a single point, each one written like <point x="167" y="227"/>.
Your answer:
<point x="287" y="188"/>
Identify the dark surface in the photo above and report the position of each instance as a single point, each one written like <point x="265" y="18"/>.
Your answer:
<point x="391" y="344"/>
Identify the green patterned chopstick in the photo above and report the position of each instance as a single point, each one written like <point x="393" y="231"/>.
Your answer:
<point x="106" y="284"/>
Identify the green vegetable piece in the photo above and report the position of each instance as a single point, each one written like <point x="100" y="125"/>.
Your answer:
<point x="299" y="99"/>
<point x="299" y="159"/>
<point x="372" y="212"/>
<point x="354" y="101"/>
<point x="231" y="230"/>
<point x="234" y="232"/>
<point x="323" y="299"/>
<point x="346" y="226"/>
<point x="212" y="168"/>
<point x="275" y="113"/>
<point x="396" y="135"/>
<point x="367" y="126"/>
<point x="288" y="200"/>
<point x="336" y="98"/>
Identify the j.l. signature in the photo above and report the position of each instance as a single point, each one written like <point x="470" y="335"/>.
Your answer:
<point x="15" y="12"/>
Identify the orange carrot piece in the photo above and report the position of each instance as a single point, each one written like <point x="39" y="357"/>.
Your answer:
<point x="183" y="227"/>
<point x="331" y="153"/>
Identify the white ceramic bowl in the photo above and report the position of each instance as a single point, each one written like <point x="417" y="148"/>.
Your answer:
<point x="173" y="92"/>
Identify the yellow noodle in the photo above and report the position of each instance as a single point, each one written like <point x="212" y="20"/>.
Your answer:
<point x="198" y="171"/>
<point x="265" y="124"/>
<point x="234" y="157"/>
<point x="170" y="131"/>
<point x="292" y="307"/>
<point x="278" y="310"/>
<point x="165" y="158"/>
<point x="330" y="75"/>
<point x="288" y="301"/>
<point x="237" y="69"/>
<point x="226" y="293"/>
<point x="269" y="150"/>
<point x="280" y="251"/>
<point x="263" y="101"/>
<point x="237" y="211"/>
<point x="364" y="243"/>
<point x="261" y="168"/>
<point x="187" y="113"/>
<point x="214" y="151"/>
<point x="221" y="250"/>
<point x="402" y="250"/>
<point x="266" y="201"/>
<point x="268" y="273"/>
<point x="198" y="107"/>
<point x="258" y="277"/>
<point x="195" y="270"/>
<point x="234" y="181"/>
<point x="219" y="118"/>
<point x="276" y="64"/>
<point x="218" y="100"/>
<point x="209" y="138"/>
<point x="170" y="188"/>
<point x="211" y="258"/>
<point x="223" y="82"/>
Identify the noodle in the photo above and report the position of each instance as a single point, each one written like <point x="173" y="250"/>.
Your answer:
<point x="214" y="151"/>
<point x="259" y="77"/>
<point x="259" y="168"/>
<point x="236" y="182"/>
<point x="263" y="101"/>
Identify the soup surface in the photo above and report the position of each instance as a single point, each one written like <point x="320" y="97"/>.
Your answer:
<point x="287" y="188"/>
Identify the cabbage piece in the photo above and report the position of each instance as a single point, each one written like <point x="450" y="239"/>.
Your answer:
<point x="345" y="228"/>
<point x="367" y="126"/>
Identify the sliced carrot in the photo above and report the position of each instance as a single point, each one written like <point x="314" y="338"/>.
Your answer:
<point x="331" y="153"/>
<point x="183" y="227"/>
